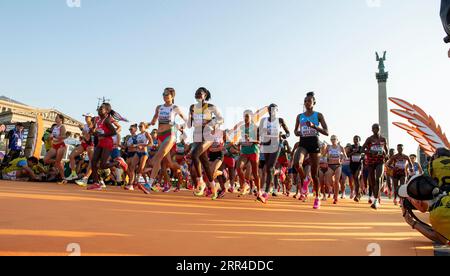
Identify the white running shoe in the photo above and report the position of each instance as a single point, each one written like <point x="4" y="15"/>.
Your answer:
<point x="72" y="177"/>
<point x="82" y="182"/>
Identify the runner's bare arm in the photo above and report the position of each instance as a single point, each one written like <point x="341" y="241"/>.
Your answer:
<point x="386" y="148"/>
<point x="155" y="116"/>
<point x="285" y="127"/>
<point x="118" y="126"/>
<point x="344" y="153"/>
<point x="391" y="160"/>
<point x="366" y="144"/>
<point x="219" y="117"/>
<point x="297" y="125"/>
<point x="149" y="138"/>
<point x="324" y="129"/>
<point x="288" y="147"/>
<point x="191" y="114"/>
<point x="62" y="135"/>
<point x="410" y="163"/>
<point x="420" y="169"/>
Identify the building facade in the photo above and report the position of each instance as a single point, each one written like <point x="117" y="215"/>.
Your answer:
<point x="12" y="112"/>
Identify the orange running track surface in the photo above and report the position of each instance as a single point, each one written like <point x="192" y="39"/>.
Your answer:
<point x="44" y="218"/>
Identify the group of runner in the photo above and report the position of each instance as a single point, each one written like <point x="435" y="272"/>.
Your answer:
<point x="255" y="154"/>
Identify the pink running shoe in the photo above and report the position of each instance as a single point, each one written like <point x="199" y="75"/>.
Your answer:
<point x="208" y="192"/>
<point x="222" y="194"/>
<point x="305" y="186"/>
<point x="261" y="199"/>
<point x="122" y="164"/>
<point x="316" y="203"/>
<point x="95" y="187"/>
<point x="166" y="189"/>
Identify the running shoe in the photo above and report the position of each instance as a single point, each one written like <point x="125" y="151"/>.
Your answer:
<point x="103" y="184"/>
<point x="190" y="187"/>
<point x="352" y="195"/>
<point x="375" y="205"/>
<point x="82" y="182"/>
<point x="166" y="188"/>
<point x="274" y="194"/>
<point x="335" y="201"/>
<point x="129" y="187"/>
<point x="396" y="202"/>
<point x="176" y="190"/>
<point x="356" y="199"/>
<point x="155" y="188"/>
<point x="261" y="199"/>
<point x="122" y="164"/>
<point x="71" y="177"/>
<point x="200" y="192"/>
<point x="305" y="186"/>
<point x="296" y="195"/>
<point x="222" y="193"/>
<point x="231" y="190"/>
<point x="208" y="192"/>
<point x="215" y="196"/>
<point x="246" y="191"/>
<point x="265" y="195"/>
<point x="141" y="187"/>
<point x="95" y="187"/>
<point x="316" y="203"/>
<point x="343" y="196"/>
<point x="62" y="182"/>
<point x="370" y="200"/>
<point x="147" y="187"/>
<point x="302" y="197"/>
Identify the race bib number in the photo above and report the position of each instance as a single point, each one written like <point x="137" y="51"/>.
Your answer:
<point x="19" y="143"/>
<point x="356" y="158"/>
<point x="400" y="165"/>
<point x="198" y="118"/>
<point x="306" y="131"/>
<point x="377" y="149"/>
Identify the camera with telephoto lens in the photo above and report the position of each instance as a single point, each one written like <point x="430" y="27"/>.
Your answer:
<point x="445" y="17"/>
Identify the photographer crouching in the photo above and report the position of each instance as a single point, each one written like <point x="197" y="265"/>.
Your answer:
<point x="429" y="195"/>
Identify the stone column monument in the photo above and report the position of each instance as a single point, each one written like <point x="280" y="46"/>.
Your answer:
<point x="382" y="77"/>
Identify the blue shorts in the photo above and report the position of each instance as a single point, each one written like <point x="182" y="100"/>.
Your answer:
<point x="346" y="171"/>
<point x="131" y="154"/>
<point x="142" y="154"/>
<point x="115" y="153"/>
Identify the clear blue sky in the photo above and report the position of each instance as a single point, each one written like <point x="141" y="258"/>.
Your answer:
<point x="249" y="53"/>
